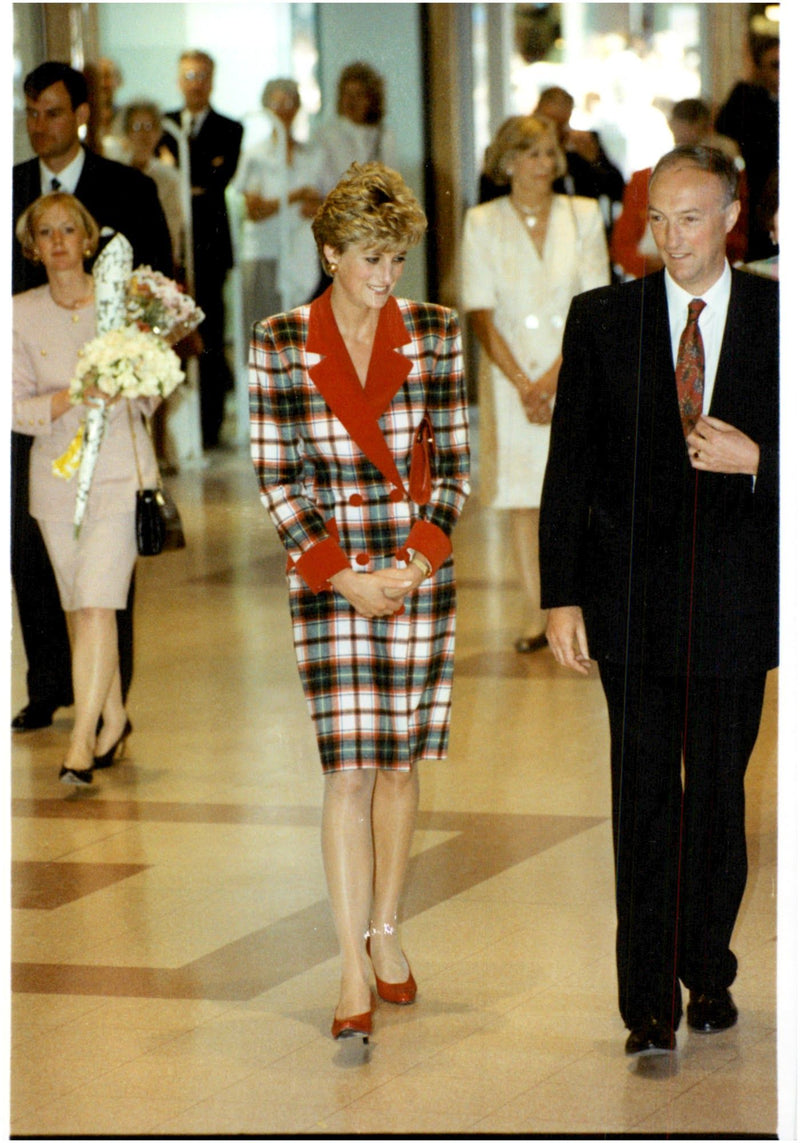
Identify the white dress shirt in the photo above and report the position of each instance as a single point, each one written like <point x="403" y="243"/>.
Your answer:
<point x="68" y="178"/>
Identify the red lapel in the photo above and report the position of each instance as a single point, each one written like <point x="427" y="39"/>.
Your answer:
<point x="334" y="376"/>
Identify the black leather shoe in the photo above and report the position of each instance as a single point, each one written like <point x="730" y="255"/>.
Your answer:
<point x="711" y="1011"/>
<point x="526" y="645"/>
<point x="650" y="1038"/>
<point x="35" y="715"/>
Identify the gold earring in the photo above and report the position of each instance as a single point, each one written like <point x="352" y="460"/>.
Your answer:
<point x="334" y="267"/>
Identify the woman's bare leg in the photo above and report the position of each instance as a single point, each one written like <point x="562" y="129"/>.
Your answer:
<point x="347" y="857"/>
<point x="394" y="814"/>
<point x="95" y="667"/>
<point x="525" y="535"/>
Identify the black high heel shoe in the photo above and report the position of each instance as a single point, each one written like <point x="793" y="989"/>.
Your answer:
<point x="72" y="777"/>
<point x="103" y="761"/>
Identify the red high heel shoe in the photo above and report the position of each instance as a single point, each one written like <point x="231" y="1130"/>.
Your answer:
<point x="404" y="993"/>
<point x="360" y="1025"/>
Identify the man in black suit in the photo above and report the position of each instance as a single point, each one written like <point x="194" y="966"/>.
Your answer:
<point x="214" y="146"/>
<point x="119" y="198"/>
<point x="590" y="172"/>
<point x="750" y="116"/>
<point x="659" y="558"/>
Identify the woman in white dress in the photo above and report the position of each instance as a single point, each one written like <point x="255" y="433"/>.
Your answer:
<point x="524" y="257"/>
<point x="279" y="181"/>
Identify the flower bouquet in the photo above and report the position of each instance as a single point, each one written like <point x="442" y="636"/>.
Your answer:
<point x="137" y="314"/>
<point x="158" y="305"/>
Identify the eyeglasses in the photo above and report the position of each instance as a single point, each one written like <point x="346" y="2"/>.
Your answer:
<point x="192" y="74"/>
<point x="145" y="126"/>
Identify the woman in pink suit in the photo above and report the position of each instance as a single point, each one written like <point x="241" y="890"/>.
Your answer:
<point x="50" y="325"/>
<point x="338" y="391"/>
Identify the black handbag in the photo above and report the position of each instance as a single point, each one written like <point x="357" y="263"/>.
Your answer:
<point x="158" y="522"/>
<point x="151" y="530"/>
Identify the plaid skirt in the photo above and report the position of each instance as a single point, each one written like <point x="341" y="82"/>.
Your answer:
<point x="378" y="690"/>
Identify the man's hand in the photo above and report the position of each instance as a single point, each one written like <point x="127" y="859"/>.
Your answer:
<point x="715" y="446"/>
<point x="566" y="635"/>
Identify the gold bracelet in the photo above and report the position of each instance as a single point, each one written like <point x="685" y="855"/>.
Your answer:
<point x="419" y="561"/>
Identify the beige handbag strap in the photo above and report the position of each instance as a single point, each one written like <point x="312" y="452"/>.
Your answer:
<point x="149" y="428"/>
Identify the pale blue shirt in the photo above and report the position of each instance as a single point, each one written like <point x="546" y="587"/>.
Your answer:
<point x="712" y="323"/>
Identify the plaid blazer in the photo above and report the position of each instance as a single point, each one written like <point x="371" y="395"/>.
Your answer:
<point x="332" y="459"/>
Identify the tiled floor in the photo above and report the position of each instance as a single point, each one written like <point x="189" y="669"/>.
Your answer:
<point x="175" y="967"/>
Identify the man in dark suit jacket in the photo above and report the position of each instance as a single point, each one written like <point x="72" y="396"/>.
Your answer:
<point x="750" y="116"/>
<point x="119" y="198"/>
<point x="214" y="146"/>
<point x="659" y="558"/>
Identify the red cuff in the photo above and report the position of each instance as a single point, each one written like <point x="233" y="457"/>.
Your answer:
<point x="319" y="563"/>
<point x="431" y="542"/>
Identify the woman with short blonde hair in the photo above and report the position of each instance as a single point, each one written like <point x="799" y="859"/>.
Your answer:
<point x="340" y="390"/>
<point x="517" y="134"/>
<point x="524" y="257"/>
<point x="371" y="203"/>
<point x="28" y="222"/>
<point x="50" y="326"/>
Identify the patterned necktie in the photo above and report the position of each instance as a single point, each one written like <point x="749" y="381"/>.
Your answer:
<point x="690" y="369"/>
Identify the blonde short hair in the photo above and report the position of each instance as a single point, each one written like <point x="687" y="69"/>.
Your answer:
<point x="27" y="222"/>
<point x="517" y="134"/>
<point x="370" y="204"/>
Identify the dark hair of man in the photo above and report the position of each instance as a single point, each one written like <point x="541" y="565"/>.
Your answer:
<point x="760" y="45"/>
<point x="559" y="94"/>
<point x="691" y="111"/>
<point x="46" y="74"/>
<point x="705" y="159"/>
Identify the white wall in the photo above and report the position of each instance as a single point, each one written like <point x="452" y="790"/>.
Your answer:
<point x="249" y="42"/>
<point x="387" y="36"/>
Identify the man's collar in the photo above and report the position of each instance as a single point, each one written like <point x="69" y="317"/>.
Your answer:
<point x="678" y="296"/>
<point x="68" y="177"/>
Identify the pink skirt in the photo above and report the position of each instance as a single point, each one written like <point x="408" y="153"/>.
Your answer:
<point x="95" y="570"/>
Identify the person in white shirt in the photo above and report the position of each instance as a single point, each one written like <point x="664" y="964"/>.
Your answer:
<point x="278" y="179"/>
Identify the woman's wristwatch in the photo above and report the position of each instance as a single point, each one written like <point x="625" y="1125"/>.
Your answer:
<point x="419" y="561"/>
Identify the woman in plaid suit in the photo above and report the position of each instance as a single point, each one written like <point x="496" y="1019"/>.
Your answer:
<point x="338" y="391"/>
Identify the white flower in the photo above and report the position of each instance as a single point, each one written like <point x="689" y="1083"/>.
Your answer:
<point x="127" y="362"/>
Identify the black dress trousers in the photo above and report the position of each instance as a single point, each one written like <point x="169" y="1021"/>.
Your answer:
<point x="679" y="752"/>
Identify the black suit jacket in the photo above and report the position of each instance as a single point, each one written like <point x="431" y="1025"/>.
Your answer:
<point x="670" y="567"/>
<point x="213" y="157"/>
<point x="116" y="196"/>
